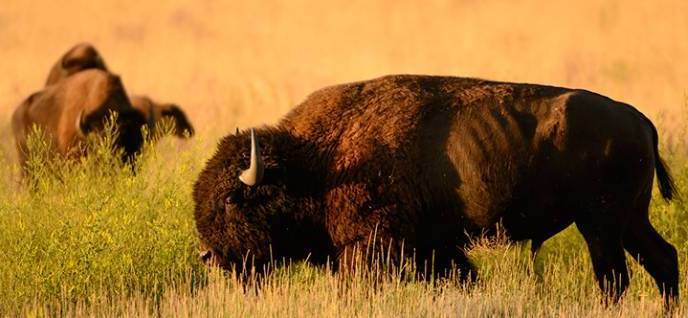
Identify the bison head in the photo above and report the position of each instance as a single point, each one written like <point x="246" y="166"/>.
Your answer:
<point x="128" y="124"/>
<point x="129" y="134"/>
<point x="249" y="206"/>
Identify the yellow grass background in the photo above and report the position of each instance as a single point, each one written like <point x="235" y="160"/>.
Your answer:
<point x="244" y="63"/>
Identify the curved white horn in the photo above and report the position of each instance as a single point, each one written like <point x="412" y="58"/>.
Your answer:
<point x="254" y="174"/>
<point x="77" y="124"/>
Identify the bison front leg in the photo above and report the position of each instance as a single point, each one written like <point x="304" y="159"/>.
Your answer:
<point x="396" y="256"/>
<point x="377" y="252"/>
<point x="445" y="262"/>
<point x="604" y="242"/>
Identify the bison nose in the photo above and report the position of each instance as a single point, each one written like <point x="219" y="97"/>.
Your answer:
<point x="205" y="255"/>
<point x="208" y="258"/>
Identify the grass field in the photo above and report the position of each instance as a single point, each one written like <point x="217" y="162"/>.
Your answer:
<point x="98" y="241"/>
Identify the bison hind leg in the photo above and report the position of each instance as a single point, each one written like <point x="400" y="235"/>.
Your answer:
<point x="535" y="245"/>
<point x="656" y="255"/>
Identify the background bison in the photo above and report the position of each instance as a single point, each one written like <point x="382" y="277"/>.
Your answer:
<point x="79" y="94"/>
<point x="432" y="161"/>
<point x="75" y="106"/>
<point x="84" y="56"/>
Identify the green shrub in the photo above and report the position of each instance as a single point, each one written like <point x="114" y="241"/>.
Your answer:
<point x="89" y="226"/>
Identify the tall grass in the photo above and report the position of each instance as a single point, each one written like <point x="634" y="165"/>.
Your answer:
<point x="96" y="237"/>
<point x="77" y="228"/>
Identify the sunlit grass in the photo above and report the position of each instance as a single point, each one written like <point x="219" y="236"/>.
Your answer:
<point x="77" y="228"/>
<point x="93" y="236"/>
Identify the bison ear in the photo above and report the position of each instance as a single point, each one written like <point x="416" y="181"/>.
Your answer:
<point x="183" y="127"/>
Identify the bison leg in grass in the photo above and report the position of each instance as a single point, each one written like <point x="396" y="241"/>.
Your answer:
<point x="428" y="263"/>
<point x="607" y="254"/>
<point x="654" y="253"/>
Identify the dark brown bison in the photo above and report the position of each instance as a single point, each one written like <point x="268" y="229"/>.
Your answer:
<point x="430" y="162"/>
<point x="74" y="107"/>
<point x="155" y="112"/>
<point x="81" y="57"/>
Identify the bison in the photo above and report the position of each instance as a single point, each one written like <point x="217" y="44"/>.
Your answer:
<point x="81" y="57"/>
<point x="155" y="112"/>
<point x="428" y="163"/>
<point x="74" y="107"/>
<point x="84" y="56"/>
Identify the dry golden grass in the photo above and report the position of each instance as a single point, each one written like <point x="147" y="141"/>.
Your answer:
<point x="245" y="63"/>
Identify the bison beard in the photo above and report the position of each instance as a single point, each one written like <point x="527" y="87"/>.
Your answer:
<point x="427" y="162"/>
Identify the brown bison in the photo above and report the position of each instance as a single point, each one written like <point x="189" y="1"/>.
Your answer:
<point x="72" y="108"/>
<point x="430" y="162"/>
<point x="81" y="57"/>
<point x="154" y="112"/>
<point x="84" y="56"/>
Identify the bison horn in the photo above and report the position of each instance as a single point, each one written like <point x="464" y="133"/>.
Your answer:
<point x="254" y="174"/>
<point x="78" y="124"/>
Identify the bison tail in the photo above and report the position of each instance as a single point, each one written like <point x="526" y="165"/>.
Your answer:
<point x="667" y="187"/>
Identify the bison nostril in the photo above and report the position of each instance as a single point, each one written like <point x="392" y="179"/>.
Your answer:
<point x="205" y="255"/>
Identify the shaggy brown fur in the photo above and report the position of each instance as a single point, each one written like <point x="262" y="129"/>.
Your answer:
<point x="154" y="112"/>
<point x="91" y="94"/>
<point x="81" y="57"/>
<point x="430" y="162"/>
